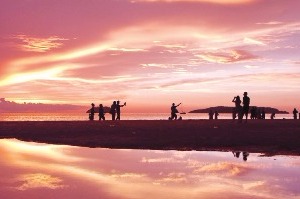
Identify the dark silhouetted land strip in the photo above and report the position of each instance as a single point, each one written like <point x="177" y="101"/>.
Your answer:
<point x="272" y="137"/>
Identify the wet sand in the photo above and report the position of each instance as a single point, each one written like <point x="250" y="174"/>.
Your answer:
<point x="271" y="137"/>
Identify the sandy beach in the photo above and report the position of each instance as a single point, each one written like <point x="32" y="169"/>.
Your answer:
<point x="271" y="137"/>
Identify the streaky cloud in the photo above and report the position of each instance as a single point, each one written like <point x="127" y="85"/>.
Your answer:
<point x="36" y="44"/>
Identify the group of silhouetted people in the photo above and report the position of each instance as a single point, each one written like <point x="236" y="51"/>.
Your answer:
<point x="211" y="115"/>
<point x="239" y="110"/>
<point x="257" y="113"/>
<point x="100" y="111"/>
<point x="115" y="111"/>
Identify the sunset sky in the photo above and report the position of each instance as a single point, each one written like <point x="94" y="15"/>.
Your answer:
<point x="151" y="53"/>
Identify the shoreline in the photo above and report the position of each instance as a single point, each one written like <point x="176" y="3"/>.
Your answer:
<point x="269" y="137"/>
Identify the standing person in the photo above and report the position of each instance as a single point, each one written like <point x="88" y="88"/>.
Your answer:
<point x="216" y="115"/>
<point x="246" y="104"/>
<point x="101" y="112"/>
<point x="233" y="114"/>
<point x="174" y="111"/>
<point x="91" y="115"/>
<point x="258" y="114"/>
<point x="113" y="110"/>
<point x="253" y="113"/>
<point x="272" y="116"/>
<point x="211" y="114"/>
<point x="118" y="109"/>
<point x="238" y="108"/>
<point x="295" y="113"/>
<point x="263" y="114"/>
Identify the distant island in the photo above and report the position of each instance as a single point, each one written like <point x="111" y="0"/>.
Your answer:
<point x="13" y="107"/>
<point x="228" y="109"/>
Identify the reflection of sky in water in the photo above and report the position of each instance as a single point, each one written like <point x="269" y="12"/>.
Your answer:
<point x="30" y="170"/>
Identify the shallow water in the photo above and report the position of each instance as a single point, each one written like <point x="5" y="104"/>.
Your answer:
<point x="31" y="170"/>
<point x="124" y="116"/>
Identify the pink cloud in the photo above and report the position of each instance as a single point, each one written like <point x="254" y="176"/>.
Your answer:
<point x="228" y="57"/>
<point x="224" y="168"/>
<point x="39" y="44"/>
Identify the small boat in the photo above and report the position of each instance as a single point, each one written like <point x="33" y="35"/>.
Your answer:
<point x="182" y="113"/>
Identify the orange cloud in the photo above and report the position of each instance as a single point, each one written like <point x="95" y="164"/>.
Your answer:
<point x="224" y="168"/>
<point x="228" y="57"/>
<point x="39" y="180"/>
<point x="35" y="44"/>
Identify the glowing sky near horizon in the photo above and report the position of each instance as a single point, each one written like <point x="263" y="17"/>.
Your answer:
<point x="151" y="53"/>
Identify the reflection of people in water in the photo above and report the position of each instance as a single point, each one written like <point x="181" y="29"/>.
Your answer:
<point x="245" y="155"/>
<point x="237" y="154"/>
<point x="101" y="112"/>
<point x="92" y="113"/>
<point x="174" y="111"/>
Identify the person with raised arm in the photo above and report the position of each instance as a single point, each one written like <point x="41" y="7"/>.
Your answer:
<point x="118" y="109"/>
<point x="174" y="111"/>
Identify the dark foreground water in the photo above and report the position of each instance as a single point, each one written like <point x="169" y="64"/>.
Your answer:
<point x="30" y="170"/>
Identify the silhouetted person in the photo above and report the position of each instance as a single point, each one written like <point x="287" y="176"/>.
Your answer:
<point x="246" y="104"/>
<point x="295" y="113"/>
<point x="263" y="114"/>
<point x="258" y="114"/>
<point x="174" y="111"/>
<point x="245" y="156"/>
<point x="216" y="115"/>
<point x="92" y="113"/>
<point x="272" y="116"/>
<point x="113" y="110"/>
<point x="211" y="114"/>
<point x="118" y="109"/>
<point x="237" y="109"/>
<point x="101" y="112"/>
<point x="253" y="112"/>
<point x="233" y="114"/>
